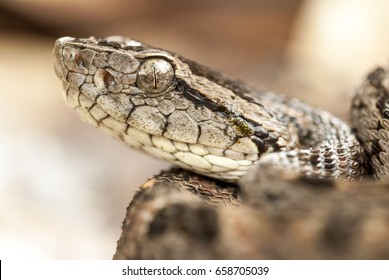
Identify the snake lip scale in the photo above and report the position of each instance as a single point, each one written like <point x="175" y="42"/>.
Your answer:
<point x="208" y="122"/>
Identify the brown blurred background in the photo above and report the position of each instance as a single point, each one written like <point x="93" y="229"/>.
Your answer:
<point x="64" y="186"/>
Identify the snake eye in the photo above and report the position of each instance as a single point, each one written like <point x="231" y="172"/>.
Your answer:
<point x="155" y="75"/>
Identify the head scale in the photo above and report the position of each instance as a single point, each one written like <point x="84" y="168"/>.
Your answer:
<point x="152" y="100"/>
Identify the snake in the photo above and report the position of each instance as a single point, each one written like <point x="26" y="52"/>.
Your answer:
<point x="217" y="128"/>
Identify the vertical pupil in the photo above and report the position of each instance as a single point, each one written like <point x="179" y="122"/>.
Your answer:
<point x="154" y="77"/>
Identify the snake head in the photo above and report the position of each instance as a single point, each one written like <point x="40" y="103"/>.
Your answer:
<point x="115" y="64"/>
<point x="164" y="104"/>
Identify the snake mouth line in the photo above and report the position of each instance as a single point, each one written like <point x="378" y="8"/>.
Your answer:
<point x="214" y="162"/>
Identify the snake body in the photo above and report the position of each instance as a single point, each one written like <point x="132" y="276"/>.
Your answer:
<point x="207" y="122"/>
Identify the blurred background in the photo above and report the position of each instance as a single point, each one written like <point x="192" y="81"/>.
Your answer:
<point x="64" y="186"/>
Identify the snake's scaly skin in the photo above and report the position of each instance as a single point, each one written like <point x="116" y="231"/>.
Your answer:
<point x="211" y="124"/>
<point x="197" y="118"/>
<point x="181" y="215"/>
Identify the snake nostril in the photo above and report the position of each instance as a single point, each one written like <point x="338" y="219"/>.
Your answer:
<point x="79" y="60"/>
<point x="109" y="80"/>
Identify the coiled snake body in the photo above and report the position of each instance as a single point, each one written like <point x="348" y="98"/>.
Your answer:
<point x="206" y="122"/>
